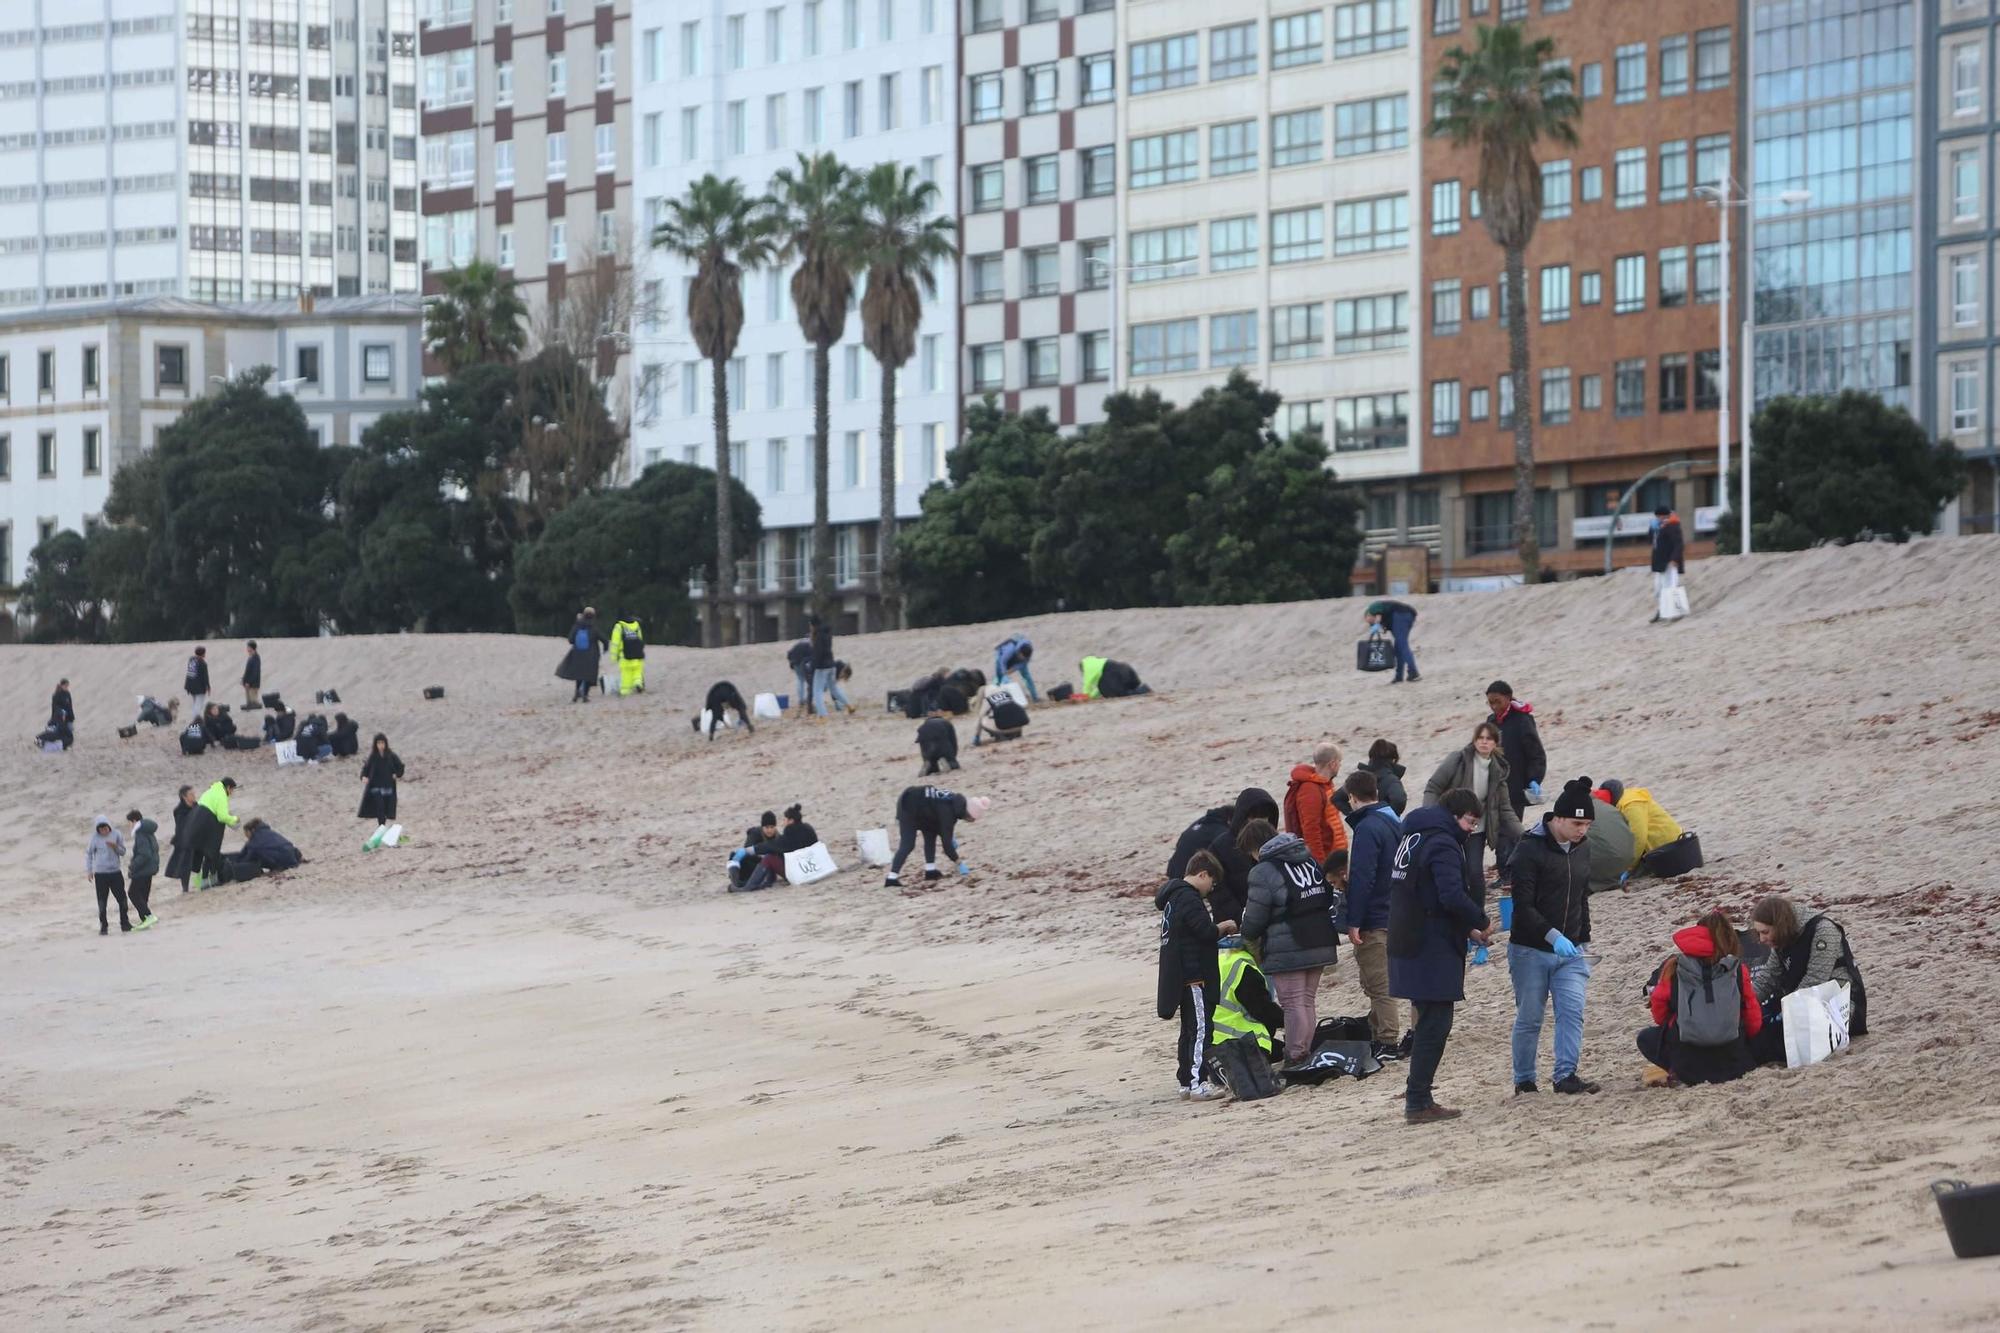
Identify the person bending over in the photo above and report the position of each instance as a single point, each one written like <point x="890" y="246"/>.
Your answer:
<point x="722" y="695"/>
<point x="937" y="745"/>
<point x="266" y="849"/>
<point x="934" y="813"/>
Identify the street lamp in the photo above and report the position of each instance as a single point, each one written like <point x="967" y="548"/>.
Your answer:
<point x="1106" y="266"/>
<point x="1724" y="197"/>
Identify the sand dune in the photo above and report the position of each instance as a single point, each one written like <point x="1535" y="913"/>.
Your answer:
<point x="536" y="1070"/>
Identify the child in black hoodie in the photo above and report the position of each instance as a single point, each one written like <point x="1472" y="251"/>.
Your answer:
<point x="1188" y="977"/>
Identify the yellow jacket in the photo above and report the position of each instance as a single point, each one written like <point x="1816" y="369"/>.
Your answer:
<point x="1652" y="826"/>
<point x="618" y="638"/>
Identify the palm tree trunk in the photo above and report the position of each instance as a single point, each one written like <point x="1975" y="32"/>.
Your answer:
<point x="822" y="558"/>
<point x="722" y="592"/>
<point x="1527" y="536"/>
<point x="885" y="536"/>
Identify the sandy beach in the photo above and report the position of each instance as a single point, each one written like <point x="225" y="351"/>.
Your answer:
<point x="537" y="1070"/>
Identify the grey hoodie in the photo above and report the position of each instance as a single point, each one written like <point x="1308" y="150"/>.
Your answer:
<point x="106" y="850"/>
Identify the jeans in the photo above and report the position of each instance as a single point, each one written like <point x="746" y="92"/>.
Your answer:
<point x="1539" y="978"/>
<point x="1400" y="623"/>
<point x="824" y="684"/>
<point x="1298" y="996"/>
<point x="768" y="869"/>
<point x="1027" y="677"/>
<point x="1191" y="1056"/>
<point x="803" y="700"/>
<point x="1371" y="960"/>
<point x="1427" y="1039"/>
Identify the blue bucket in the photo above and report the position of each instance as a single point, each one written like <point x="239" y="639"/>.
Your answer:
<point x="1507" y="913"/>
<point x="784" y="703"/>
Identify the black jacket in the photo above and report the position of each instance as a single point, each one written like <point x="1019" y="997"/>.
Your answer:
<point x="217" y="727"/>
<point x="1388" y="787"/>
<point x="723" y="695"/>
<point x="382" y="770"/>
<point x="1187" y="943"/>
<point x="1669" y="546"/>
<point x="822" y="646"/>
<point x="937" y="739"/>
<point x="932" y="810"/>
<point x="799" y="657"/>
<point x="1551" y="891"/>
<point x="791" y="838"/>
<point x="1196" y="837"/>
<point x="1527" y="761"/>
<point x="253" y="670"/>
<point x="1233" y="894"/>
<point x="61" y="707"/>
<point x="197" y="675"/>
<point x="270" y="850"/>
<point x="345" y="738"/>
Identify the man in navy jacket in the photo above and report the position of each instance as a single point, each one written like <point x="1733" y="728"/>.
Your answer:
<point x="1371" y="854"/>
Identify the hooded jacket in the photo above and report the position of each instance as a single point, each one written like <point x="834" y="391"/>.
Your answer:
<point x="1669" y="545"/>
<point x="1233" y="895"/>
<point x="1819" y="954"/>
<point x="1611" y="849"/>
<point x="216" y="801"/>
<point x="1430" y="913"/>
<point x="793" y="837"/>
<point x="1652" y="827"/>
<point x="1187" y="943"/>
<point x="145" y="849"/>
<point x="1696" y="942"/>
<point x="1389" y="785"/>
<point x="1198" y="836"/>
<point x="106" y="850"/>
<point x="197" y="676"/>
<point x="1521" y="740"/>
<point x="1093" y="671"/>
<point x="1371" y="854"/>
<point x="1551" y="891"/>
<point x="937" y="739"/>
<point x="799" y="657"/>
<point x="618" y="633"/>
<point x="1309" y="812"/>
<point x="1291" y="908"/>
<point x="822" y="646"/>
<point x="1014" y="653"/>
<point x="933" y="810"/>
<point x="1500" y="824"/>
<point x="270" y="850"/>
<point x="345" y="738"/>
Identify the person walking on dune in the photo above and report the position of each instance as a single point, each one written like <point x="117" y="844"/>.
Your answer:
<point x="1399" y="618"/>
<point x="1669" y="559"/>
<point x="145" y="865"/>
<point x="581" y="664"/>
<point x="1521" y="742"/>
<point x="378" y="782"/>
<point x="195" y="684"/>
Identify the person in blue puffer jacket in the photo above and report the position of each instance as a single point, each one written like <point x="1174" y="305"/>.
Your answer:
<point x="1014" y="655"/>
<point x="1431" y="916"/>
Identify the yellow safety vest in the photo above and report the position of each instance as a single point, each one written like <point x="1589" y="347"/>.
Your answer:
<point x="1230" y="1020"/>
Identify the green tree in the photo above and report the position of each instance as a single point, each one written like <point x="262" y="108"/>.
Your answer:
<point x="1501" y="99"/>
<point x="821" y="232"/>
<point x="1276" y="527"/>
<point x="56" y="598"/>
<point x="721" y="231"/>
<point x="902" y="243"/>
<point x="965" y="558"/>
<point x="1841" y="470"/>
<point x="476" y="317"/>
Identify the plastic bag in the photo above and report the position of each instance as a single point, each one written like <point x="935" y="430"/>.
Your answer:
<point x="873" y="844"/>
<point x="1815" y="1023"/>
<point x="809" y="865"/>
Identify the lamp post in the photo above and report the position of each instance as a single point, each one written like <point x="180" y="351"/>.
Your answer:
<point x="1724" y="197"/>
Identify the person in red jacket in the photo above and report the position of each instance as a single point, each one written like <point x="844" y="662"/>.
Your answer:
<point x="1705" y="1010"/>
<point x="1309" y="809"/>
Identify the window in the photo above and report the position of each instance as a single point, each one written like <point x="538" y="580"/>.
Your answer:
<point x="1708" y="273"/>
<point x="1038" y="89"/>
<point x="1490" y="521"/>
<point x="1711" y="159"/>
<point x="558" y="242"/>
<point x="1505" y="416"/>
<point x="850" y="109"/>
<point x="306" y="365"/>
<point x="986" y="15"/>
<point x="558" y="77"/>
<point x="1964" y="290"/>
<point x="1674" y="382"/>
<point x="1166" y="347"/>
<point x="1555" y="396"/>
<point x="889" y="101"/>
<point x="607" y="66"/>
<point x="691" y="131"/>
<point x="1446" y="298"/>
<point x="1298" y="332"/>
<point x="1478" y="403"/>
<point x="987" y="188"/>
<point x="1479" y="303"/>
<point x="1444" y="407"/>
<point x="1298" y="136"/>
<point x="1165" y="62"/>
<point x="1372" y="421"/>
<point x="1673" y="66"/>
<point x="1232" y="244"/>
<point x="774" y="36"/>
<point x="6" y="473"/>
<point x="1444" y="208"/>
<point x="1590" y="81"/>
<point x="850" y="24"/>
<point x="6" y="379"/>
<point x="1629" y="178"/>
<point x="987" y="281"/>
<point x="1098" y="76"/>
<point x="1371" y="224"/>
<point x="1372" y="126"/>
<point x="986" y="98"/>
<point x="774" y="380"/>
<point x="989" y="366"/>
<point x="1965" y="97"/>
<point x="1629" y="284"/>
<point x="1297" y="418"/>
<point x="377" y="363"/>
<point x="1042" y="11"/>
<point x="1232" y="339"/>
<point x="851" y="371"/>
<point x="45" y="372"/>
<point x="1555" y="293"/>
<point x="1093" y="265"/>
<point x="503" y="83"/>
<point x="1590" y="184"/>
<point x="930" y="95"/>
<point x="1707" y="380"/>
<point x="690" y="49"/>
<point x="1965" y="395"/>
<point x="1163" y="252"/>
<point x="93" y="453"/>
<point x="1232" y="51"/>
<point x="1555" y="189"/>
<point x="1297" y="39"/>
<point x="1628" y="385"/>
<point x="607" y="143"/>
<point x="1630" y="73"/>
<point x="558" y="150"/>
<point x="649" y="140"/>
<point x="1673" y="171"/>
<point x="1163" y="159"/>
<point x="1044" y="358"/>
<point x="1711" y="59"/>
<point x="1590" y="393"/>
<point x="851" y="466"/>
<point x="170" y="367"/>
<point x="1965" y="185"/>
<point x="1673" y="276"/>
<point x="1232" y="148"/>
<point x="1298" y="234"/>
<point x="505" y="248"/>
<point x="1041" y="177"/>
<point x="1444" y="16"/>
<point x="815" y="115"/>
<point x="1370" y="25"/>
<point x="1371" y="323"/>
<point x="45" y="457"/>
<point x="1590" y="288"/>
<point x="931" y="365"/>
<point x="1096" y="349"/>
<point x="1041" y="270"/>
<point x="1099" y="170"/>
<point x="774" y="121"/>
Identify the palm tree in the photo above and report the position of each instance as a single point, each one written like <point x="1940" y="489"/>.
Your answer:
<point x="721" y="231"/>
<point x="821" y="233"/>
<point x="1502" y="98"/>
<point x="477" y="317"/>
<point x="902" y="242"/>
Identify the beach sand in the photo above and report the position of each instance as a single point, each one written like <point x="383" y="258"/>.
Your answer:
<point x="537" y="1070"/>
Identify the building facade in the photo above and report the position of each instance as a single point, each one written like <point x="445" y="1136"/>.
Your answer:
<point x="191" y="148"/>
<point x="1624" y="285"/>
<point x="740" y="88"/>
<point x="86" y="389"/>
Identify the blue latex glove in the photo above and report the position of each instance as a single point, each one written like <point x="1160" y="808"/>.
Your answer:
<point x="964" y="868"/>
<point x="1560" y="942"/>
<point x="1534" y="793"/>
<point x="1479" y="956"/>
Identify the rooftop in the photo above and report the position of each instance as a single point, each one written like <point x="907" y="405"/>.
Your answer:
<point x="233" y="312"/>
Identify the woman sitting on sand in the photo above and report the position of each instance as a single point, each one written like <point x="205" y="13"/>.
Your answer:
<point x="1802" y="956"/>
<point x="1705" y="1010"/>
<point x="796" y="836"/>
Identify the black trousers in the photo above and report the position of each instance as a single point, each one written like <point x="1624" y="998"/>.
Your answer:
<point x="142" y="894"/>
<point x="1197" y="1024"/>
<point x="109" y="884"/>
<point x="1693" y="1065"/>
<point x="937" y="763"/>
<point x="1427" y="1039"/>
<point x="908" y="844"/>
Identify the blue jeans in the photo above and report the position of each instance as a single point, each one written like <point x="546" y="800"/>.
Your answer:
<point x="1027" y="677"/>
<point x="1540" y="977"/>
<point x="1400" y="623"/>
<point x="824" y="685"/>
<point x="804" y="680"/>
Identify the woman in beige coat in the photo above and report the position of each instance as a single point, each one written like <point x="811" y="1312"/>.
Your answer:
<point x="1480" y="768"/>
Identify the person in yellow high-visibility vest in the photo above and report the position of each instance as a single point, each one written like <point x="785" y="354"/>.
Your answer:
<point x="628" y="650"/>
<point x="1244" y="1006"/>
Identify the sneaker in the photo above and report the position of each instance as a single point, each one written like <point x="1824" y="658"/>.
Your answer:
<point x="1414" y="678"/>
<point x="930" y="874"/>
<point x="145" y="923"/>
<point x="1525" y="1086"/>
<point x="892" y="881"/>
<point x="1185" y="1090"/>
<point x="125" y="927"/>
<point x="104" y="929"/>
<point x="1430" y="1115"/>
<point x="1206" y="1092"/>
<point x="1575" y="1086"/>
<point x="1409" y="1040"/>
<point x="1385" y="1052"/>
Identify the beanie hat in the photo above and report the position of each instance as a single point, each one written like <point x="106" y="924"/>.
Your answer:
<point x="1574" y="803"/>
<point x="1614" y="789"/>
<point x="977" y="806"/>
<point x="1501" y="687"/>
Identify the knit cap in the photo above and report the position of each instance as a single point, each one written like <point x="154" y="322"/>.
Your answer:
<point x="1574" y="803"/>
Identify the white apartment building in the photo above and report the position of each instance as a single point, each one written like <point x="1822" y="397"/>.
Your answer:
<point x="1267" y="202"/>
<point x="211" y="149"/>
<point x="87" y="388"/>
<point x="740" y="88"/>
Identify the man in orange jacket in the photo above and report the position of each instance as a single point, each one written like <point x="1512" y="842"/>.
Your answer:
<point x="1309" y="808"/>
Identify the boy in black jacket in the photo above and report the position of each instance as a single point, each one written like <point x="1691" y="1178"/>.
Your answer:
<point x="1188" y="979"/>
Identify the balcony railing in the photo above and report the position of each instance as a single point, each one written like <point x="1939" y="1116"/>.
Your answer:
<point x="755" y="577"/>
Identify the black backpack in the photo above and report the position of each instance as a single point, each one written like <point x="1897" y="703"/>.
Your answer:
<point x="633" y="645"/>
<point x="1245" y="1070"/>
<point x="1009" y="716"/>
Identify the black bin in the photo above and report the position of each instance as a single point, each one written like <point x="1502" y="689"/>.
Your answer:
<point x="1676" y="858"/>
<point x="1971" y="1216"/>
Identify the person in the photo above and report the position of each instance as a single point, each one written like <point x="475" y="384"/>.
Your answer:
<point x="1481" y="769"/>
<point x="1011" y="656"/>
<point x="194" y="737"/>
<point x="799" y="657"/>
<point x="1652" y="827"/>
<point x="205" y="826"/>
<point x="1233" y="894"/>
<point x="1704" y="1007"/>
<point x="1309" y="810"/>
<point x="581" y="663"/>
<point x="62" y="716"/>
<point x="378" y="782"/>
<point x="1243" y="1009"/>
<point x="1384" y="765"/>
<point x="102" y="860"/>
<point x="937" y="745"/>
<point x="1803" y="955"/>
<point x="345" y="739"/>
<point x="1527" y="762"/>
<point x="182" y="864"/>
<point x="628" y="650"/>
<point x="1189" y="977"/>
<point x="266" y="849"/>
<point x="723" y="696"/>
<point x="796" y="836"/>
<point x="153" y="715"/>
<point x="1290" y="913"/>
<point x="1108" y="678"/>
<point x="195" y="685"/>
<point x="1399" y="618"/>
<point x="1371" y="852"/>
<point x="933" y="812"/>
<point x="1669" y="554"/>
<point x="281" y="725"/>
<point x="1004" y="719"/>
<point x="1431" y="918"/>
<point x="217" y="726"/>
<point x="744" y="859"/>
<point x="826" y="669"/>
<point x="1199" y="836"/>
<point x="1545" y="957"/>
<point x="311" y="737"/>
<point x="1611" y="854"/>
<point x="145" y="865"/>
<point x="253" y="676"/>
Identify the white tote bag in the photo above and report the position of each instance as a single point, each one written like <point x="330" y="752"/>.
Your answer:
<point x="766" y="705"/>
<point x="1815" y="1023"/>
<point x="288" y="753"/>
<point x="1673" y="602"/>
<point x="874" y="845"/>
<point x="809" y="865"/>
